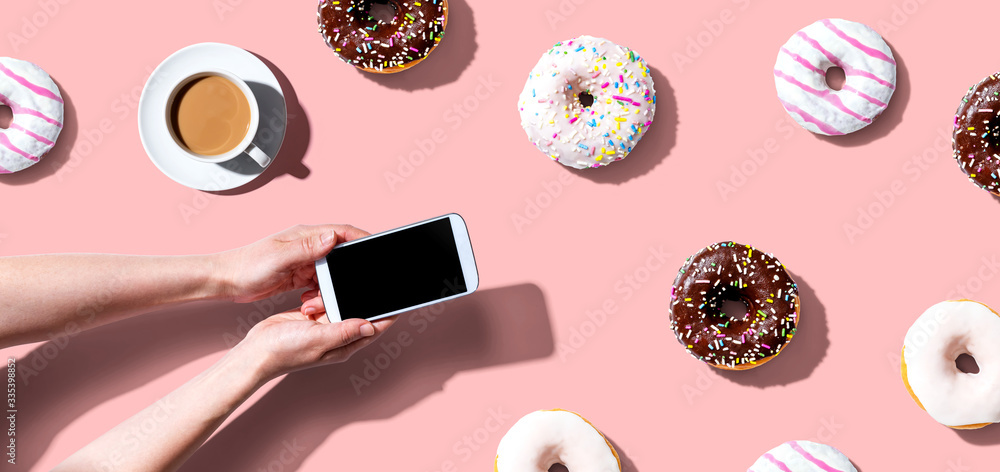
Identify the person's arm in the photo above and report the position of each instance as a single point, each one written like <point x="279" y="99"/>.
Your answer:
<point x="40" y="294"/>
<point x="72" y="292"/>
<point x="282" y="343"/>
<point x="176" y="426"/>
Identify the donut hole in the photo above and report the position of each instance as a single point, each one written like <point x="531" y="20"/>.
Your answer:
<point x="836" y="77"/>
<point x="993" y="138"/>
<point x="6" y="116"/>
<point x="586" y="99"/>
<point x="382" y="11"/>
<point x="967" y="364"/>
<point x="558" y="468"/>
<point x="733" y="308"/>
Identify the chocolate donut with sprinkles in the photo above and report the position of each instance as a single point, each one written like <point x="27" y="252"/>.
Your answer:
<point x="379" y="44"/>
<point x="976" y="140"/>
<point x="729" y="271"/>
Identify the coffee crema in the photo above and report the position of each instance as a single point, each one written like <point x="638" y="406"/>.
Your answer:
<point x="210" y="115"/>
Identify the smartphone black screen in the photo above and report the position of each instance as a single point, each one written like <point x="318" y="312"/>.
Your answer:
<point x="395" y="271"/>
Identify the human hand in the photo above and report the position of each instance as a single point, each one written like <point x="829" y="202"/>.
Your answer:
<point x="291" y="341"/>
<point x="281" y="262"/>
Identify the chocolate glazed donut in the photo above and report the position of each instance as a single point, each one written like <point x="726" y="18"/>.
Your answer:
<point x="379" y="45"/>
<point x="977" y="134"/>
<point x="738" y="272"/>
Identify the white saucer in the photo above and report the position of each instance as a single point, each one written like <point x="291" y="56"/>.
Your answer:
<point x="162" y="149"/>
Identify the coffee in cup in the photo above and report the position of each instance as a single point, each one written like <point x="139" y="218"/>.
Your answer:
<point x="213" y="116"/>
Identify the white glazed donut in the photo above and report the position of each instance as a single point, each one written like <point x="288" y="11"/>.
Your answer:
<point x="544" y="438"/>
<point x="800" y="76"/>
<point x="38" y="114"/>
<point x="945" y="331"/>
<point x="803" y="456"/>
<point x="579" y="136"/>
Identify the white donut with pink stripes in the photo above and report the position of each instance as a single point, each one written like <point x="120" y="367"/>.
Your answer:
<point x="800" y="76"/>
<point x="38" y="114"/>
<point x="803" y="456"/>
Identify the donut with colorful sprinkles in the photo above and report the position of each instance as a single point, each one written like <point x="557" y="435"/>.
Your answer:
<point x="976" y="140"/>
<point x="375" y="43"/>
<point x="587" y="102"/>
<point x="734" y="272"/>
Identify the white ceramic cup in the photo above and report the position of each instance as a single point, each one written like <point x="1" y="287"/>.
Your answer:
<point x="246" y="145"/>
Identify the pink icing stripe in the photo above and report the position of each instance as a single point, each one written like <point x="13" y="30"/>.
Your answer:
<point x="811" y="119"/>
<point x="28" y="111"/>
<point x="775" y="461"/>
<point x="865" y="96"/>
<point x="30" y="86"/>
<point x="39" y="114"/>
<point x="854" y="42"/>
<point x="820" y="48"/>
<point x="804" y="62"/>
<point x="41" y="139"/>
<point x="9" y="145"/>
<point x="864" y="73"/>
<point x="824" y="94"/>
<point x="809" y="457"/>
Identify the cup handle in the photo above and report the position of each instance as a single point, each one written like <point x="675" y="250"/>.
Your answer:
<point x="262" y="159"/>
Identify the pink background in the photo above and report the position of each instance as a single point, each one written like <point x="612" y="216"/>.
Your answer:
<point x="526" y="342"/>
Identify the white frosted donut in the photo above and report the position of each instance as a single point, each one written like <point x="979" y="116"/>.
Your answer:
<point x="944" y="332"/>
<point x="38" y="114"/>
<point x="803" y="456"/>
<point x="800" y="76"/>
<point x="579" y="136"/>
<point x="544" y="438"/>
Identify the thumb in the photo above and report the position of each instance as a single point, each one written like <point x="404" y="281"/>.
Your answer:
<point x="318" y="242"/>
<point x="335" y="335"/>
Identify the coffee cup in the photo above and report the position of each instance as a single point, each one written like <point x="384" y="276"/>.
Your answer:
<point x="213" y="117"/>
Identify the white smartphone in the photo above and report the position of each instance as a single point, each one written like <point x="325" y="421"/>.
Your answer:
<point x="398" y="270"/>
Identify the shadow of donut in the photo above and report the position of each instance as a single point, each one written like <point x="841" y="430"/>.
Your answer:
<point x="654" y="146"/>
<point x="803" y="353"/>
<point x="888" y="120"/>
<point x="446" y="63"/>
<point x="986" y="436"/>
<point x="60" y="153"/>
<point x="627" y="464"/>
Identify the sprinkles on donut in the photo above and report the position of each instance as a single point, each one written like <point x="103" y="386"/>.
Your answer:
<point x="379" y="45"/>
<point x="976" y="140"/>
<point x="587" y="102"/>
<point x="738" y="272"/>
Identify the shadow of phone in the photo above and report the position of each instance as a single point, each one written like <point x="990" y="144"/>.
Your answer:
<point x="412" y="360"/>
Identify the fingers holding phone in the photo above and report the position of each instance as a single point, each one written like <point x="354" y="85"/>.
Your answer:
<point x="312" y="305"/>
